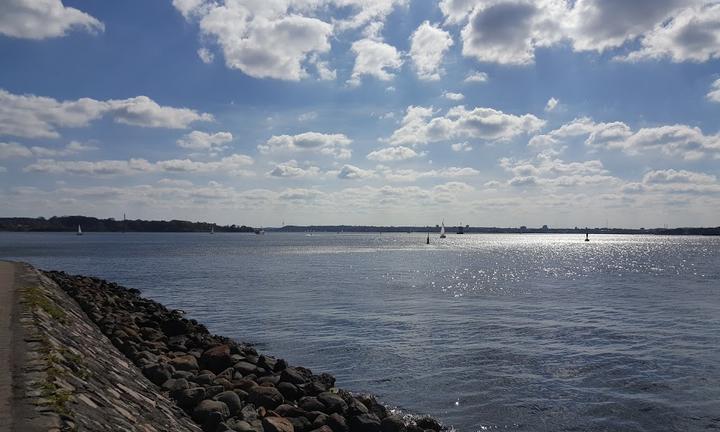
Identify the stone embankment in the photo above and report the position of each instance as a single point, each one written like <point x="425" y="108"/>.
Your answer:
<point x="220" y="384"/>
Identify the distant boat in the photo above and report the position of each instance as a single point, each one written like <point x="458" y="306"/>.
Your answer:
<point x="212" y="229"/>
<point x="79" y="232"/>
<point x="442" y="230"/>
<point x="259" y="231"/>
<point x="460" y="229"/>
<point x="587" y="236"/>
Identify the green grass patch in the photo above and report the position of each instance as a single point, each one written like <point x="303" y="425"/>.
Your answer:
<point x="37" y="300"/>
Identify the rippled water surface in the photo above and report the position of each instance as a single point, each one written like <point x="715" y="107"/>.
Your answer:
<point x="487" y="332"/>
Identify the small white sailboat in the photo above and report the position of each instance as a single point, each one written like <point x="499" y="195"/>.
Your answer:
<point x="212" y="229"/>
<point x="442" y="230"/>
<point x="79" y="231"/>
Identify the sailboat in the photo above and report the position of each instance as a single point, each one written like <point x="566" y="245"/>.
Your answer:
<point x="212" y="229"/>
<point x="442" y="230"/>
<point x="79" y="232"/>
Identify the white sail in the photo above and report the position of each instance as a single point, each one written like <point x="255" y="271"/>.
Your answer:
<point x="79" y="232"/>
<point x="442" y="230"/>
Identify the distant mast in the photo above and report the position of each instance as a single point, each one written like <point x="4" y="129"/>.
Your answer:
<point x="212" y="229"/>
<point x="79" y="231"/>
<point x="442" y="229"/>
<point x="587" y="235"/>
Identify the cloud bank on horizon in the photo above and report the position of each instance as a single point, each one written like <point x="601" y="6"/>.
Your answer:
<point x="491" y="112"/>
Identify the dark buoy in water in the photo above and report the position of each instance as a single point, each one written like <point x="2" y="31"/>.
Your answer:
<point x="428" y="239"/>
<point x="587" y="236"/>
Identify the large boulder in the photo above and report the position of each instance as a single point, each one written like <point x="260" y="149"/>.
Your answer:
<point x="365" y="423"/>
<point x="337" y="423"/>
<point x="217" y="359"/>
<point x="277" y="424"/>
<point x="201" y="413"/>
<point x="268" y="397"/>
<point x="428" y="423"/>
<point x="292" y="376"/>
<point x="392" y="423"/>
<point x="333" y="402"/>
<point x="311" y="403"/>
<point x="187" y="399"/>
<point x="232" y="400"/>
<point x="158" y="373"/>
<point x="185" y="363"/>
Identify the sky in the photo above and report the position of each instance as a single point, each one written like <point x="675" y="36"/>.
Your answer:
<point x="374" y="112"/>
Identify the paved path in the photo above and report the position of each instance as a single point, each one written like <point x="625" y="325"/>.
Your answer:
<point x="7" y="304"/>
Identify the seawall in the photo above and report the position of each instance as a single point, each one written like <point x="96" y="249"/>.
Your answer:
<point x="90" y="355"/>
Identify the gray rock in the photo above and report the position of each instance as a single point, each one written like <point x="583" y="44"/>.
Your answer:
<point x="277" y="424"/>
<point x="337" y="423"/>
<point x="188" y="399"/>
<point x="428" y="423"/>
<point x="311" y="403"/>
<point x="289" y="391"/>
<point x="185" y="363"/>
<point x="175" y="384"/>
<point x="392" y="423"/>
<point x="333" y="402"/>
<point x="202" y="412"/>
<point x="319" y="421"/>
<point x="365" y="423"/>
<point x="245" y="368"/>
<point x="300" y="424"/>
<point x="239" y="425"/>
<point x="158" y="373"/>
<point x="205" y="379"/>
<point x="293" y="376"/>
<point x="217" y="359"/>
<point x="232" y="400"/>
<point x="268" y="397"/>
<point x="212" y="391"/>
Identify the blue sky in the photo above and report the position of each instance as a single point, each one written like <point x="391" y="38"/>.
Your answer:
<point x="493" y="113"/>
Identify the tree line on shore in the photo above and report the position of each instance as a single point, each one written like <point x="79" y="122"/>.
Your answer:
<point x="71" y="223"/>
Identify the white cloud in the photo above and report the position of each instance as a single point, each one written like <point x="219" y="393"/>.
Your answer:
<point x="10" y="150"/>
<point x="13" y="150"/>
<point x="197" y="140"/>
<point x="33" y="116"/>
<point x="233" y="165"/>
<point x="310" y="115"/>
<point x="510" y="31"/>
<point x="461" y="147"/>
<point x="389" y="154"/>
<point x="206" y="55"/>
<point x="545" y="170"/>
<point x="551" y="104"/>
<point x="411" y="175"/>
<point x="280" y="39"/>
<point x="351" y="172"/>
<point x="290" y="169"/>
<point x="419" y="127"/>
<point x="428" y="45"/>
<point x="374" y="58"/>
<point x="677" y="176"/>
<point x="336" y="145"/>
<point x="453" y="96"/>
<point x="714" y="93"/>
<point x="476" y="77"/>
<point x="41" y="19"/>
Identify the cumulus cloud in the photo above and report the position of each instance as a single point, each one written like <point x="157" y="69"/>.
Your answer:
<point x="233" y="165"/>
<point x="351" y="172"/>
<point x="282" y="39"/>
<point x="374" y="58"/>
<point x="290" y="169"/>
<point x="206" y="55"/>
<point x="461" y="147"/>
<point x="420" y="127"/>
<point x="677" y="176"/>
<point x="42" y="19"/>
<point x="510" y="31"/>
<point x="335" y="145"/>
<point x="678" y="140"/>
<point x="411" y="175"/>
<point x="11" y="150"/>
<point x="476" y="77"/>
<point x="692" y="35"/>
<point x="389" y="154"/>
<point x="428" y="45"/>
<point x="453" y="96"/>
<point x="547" y="170"/>
<point x="197" y="140"/>
<point x="33" y="116"/>
<point x="714" y="93"/>
<point x="551" y="104"/>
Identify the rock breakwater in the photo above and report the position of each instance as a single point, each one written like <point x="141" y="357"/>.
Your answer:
<point x="224" y="385"/>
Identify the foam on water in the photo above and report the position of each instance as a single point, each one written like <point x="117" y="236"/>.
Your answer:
<point x="488" y="332"/>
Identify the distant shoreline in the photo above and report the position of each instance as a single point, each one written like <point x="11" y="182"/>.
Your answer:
<point x="91" y="224"/>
